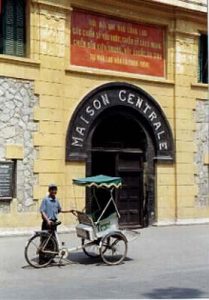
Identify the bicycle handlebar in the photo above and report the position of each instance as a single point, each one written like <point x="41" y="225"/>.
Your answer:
<point x="56" y="223"/>
<point x="75" y="212"/>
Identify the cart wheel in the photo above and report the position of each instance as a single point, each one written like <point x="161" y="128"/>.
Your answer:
<point x="91" y="249"/>
<point x="33" y="250"/>
<point x="113" y="248"/>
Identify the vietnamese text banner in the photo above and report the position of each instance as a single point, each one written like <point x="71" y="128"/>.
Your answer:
<point x="109" y="43"/>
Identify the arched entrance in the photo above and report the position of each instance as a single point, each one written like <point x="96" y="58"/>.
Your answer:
<point x="120" y="130"/>
<point x="118" y="148"/>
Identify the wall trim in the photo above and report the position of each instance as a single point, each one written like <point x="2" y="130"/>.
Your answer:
<point x="182" y="222"/>
<point x="25" y="61"/>
<point x="110" y="73"/>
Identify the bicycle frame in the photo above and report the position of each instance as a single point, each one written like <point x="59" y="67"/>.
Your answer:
<point x="61" y="246"/>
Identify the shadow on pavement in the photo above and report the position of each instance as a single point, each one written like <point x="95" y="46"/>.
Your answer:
<point x="81" y="258"/>
<point x="77" y="258"/>
<point x="174" y="293"/>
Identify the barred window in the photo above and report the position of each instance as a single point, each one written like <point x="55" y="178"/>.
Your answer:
<point x="203" y="59"/>
<point x="13" y="27"/>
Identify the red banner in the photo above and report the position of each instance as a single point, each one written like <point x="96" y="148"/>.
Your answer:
<point x="109" y="43"/>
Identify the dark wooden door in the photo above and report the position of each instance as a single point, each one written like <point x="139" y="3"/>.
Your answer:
<point x="130" y="199"/>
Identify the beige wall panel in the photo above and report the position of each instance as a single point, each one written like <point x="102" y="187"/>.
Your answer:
<point x="185" y="157"/>
<point x="51" y="153"/>
<point x="52" y="127"/>
<point x="185" y="135"/>
<point x="47" y="88"/>
<point x="46" y="166"/>
<point x="48" y="114"/>
<point x="187" y="179"/>
<point x="48" y="178"/>
<point x="19" y="68"/>
<point x="186" y="191"/>
<point x="43" y="139"/>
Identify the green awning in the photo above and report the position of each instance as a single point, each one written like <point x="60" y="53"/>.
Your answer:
<point x="99" y="181"/>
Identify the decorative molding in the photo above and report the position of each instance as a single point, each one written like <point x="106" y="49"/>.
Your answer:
<point x="52" y="5"/>
<point x="19" y="60"/>
<point x="109" y="73"/>
<point x="187" y="33"/>
<point x="199" y="85"/>
<point x="200" y="6"/>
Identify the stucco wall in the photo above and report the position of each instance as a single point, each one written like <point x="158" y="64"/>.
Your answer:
<point x="202" y="143"/>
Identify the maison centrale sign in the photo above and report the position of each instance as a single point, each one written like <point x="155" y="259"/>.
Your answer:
<point x="132" y="98"/>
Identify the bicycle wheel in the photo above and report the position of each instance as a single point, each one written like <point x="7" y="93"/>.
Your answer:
<point x="91" y="249"/>
<point x="113" y="248"/>
<point x="40" y="250"/>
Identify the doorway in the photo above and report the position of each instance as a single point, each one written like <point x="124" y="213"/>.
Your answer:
<point x="118" y="148"/>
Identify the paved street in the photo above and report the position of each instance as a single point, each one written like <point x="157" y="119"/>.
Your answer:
<point x="163" y="262"/>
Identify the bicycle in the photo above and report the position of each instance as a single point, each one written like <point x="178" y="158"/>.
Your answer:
<point x="45" y="245"/>
<point x="42" y="247"/>
<point x="99" y="238"/>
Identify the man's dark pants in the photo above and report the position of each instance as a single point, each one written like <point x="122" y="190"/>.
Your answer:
<point x="43" y="258"/>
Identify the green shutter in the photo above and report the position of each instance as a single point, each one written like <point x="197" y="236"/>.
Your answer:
<point x="8" y="28"/>
<point x="206" y="59"/>
<point x="203" y="59"/>
<point x="13" y="23"/>
<point x="20" y="28"/>
<point x="200" y="59"/>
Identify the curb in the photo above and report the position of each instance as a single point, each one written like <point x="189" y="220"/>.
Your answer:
<point x="13" y="232"/>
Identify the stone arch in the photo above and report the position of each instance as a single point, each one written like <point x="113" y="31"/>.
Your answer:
<point x="111" y="95"/>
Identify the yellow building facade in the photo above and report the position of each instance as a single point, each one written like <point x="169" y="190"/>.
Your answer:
<point x="47" y="92"/>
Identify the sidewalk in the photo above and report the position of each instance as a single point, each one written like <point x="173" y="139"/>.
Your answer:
<point x="8" y="232"/>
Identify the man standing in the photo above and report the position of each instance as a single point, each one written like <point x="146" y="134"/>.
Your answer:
<point x="50" y="208"/>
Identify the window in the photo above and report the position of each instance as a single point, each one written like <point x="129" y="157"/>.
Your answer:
<point x="12" y="27"/>
<point x="203" y="58"/>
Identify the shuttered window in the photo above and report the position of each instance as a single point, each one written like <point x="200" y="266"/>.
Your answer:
<point x="12" y="27"/>
<point x="203" y="59"/>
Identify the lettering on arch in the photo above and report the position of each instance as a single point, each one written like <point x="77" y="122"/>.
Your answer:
<point x="107" y="96"/>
